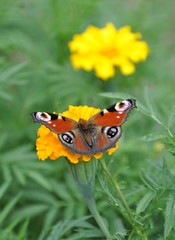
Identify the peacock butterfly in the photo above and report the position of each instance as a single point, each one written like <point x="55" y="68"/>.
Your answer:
<point x="98" y="134"/>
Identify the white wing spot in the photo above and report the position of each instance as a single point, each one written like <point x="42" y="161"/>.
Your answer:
<point x="105" y="111"/>
<point x="118" y="116"/>
<point x="49" y="122"/>
<point x="54" y="125"/>
<point x="117" y="107"/>
<point x="120" y="112"/>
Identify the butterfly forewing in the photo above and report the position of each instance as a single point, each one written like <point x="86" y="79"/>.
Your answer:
<point x="114" y="115"/>
<point x="55" y="122"/>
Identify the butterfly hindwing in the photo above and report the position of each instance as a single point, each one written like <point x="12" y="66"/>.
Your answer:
<point x="106" y="138"/>
<point x="75" y="141"/>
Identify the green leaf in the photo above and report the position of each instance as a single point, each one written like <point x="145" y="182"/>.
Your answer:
<point x="144" y="202"/>
<point x="154" y="136"/>
<point x="143" y="109"/>
<point x="6" y="96"/>
<point x="19" y="175"/>
<point x="61" y="191"/>
<point x="7" y="209"/>
<point x="169" y="216"/>
<point x="116" y="95"/>
<point x="170" y="145"/>
<point x="61" y="228"/>
<point x="18" y="154"/>
<point x="88" y="234"/>
<point x="30" y="211"/>
<point x="7" y="74"/>
<point x="171" y="119"/>
<point x="23" y="231"/>
<point x="149" y="102"/>
<point x="37" y="177"/>
<point x="150" y="180"/>
<point x="3" y="188"/>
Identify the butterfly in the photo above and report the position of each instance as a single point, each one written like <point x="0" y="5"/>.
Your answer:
<point x="98" y="134"/>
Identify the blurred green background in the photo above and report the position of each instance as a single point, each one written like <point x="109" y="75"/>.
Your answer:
<point x="39" y="200"/>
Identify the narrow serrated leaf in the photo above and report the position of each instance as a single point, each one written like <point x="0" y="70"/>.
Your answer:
<point x="169" y="216"/>
<point x="116" y="95"/>
<point x="3" y="188"/>
<point x="150" y="181"/>
<point x="39" y="179"/>
<point x="154" y="136"/>
<point x="8" y="208"/>
<point x="23" y="231"/>
<point x="87" y="234"/>
<point x="143" y="109"/>
<point x="63" y="227"/>
<point x="57" y="231"/>
<point x="149" y="102"/>
<point x="19" y="175"/>
<point x="144" y="202"/>
<point x="30" y="211"/>
<point x="6" y="96"/>
<point x="171" y="119"/>
<point x="11" y="71"/>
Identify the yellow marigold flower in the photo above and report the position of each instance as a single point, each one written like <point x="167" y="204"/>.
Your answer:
<point x="48" y="144"/>
<point x="107" y="48"/>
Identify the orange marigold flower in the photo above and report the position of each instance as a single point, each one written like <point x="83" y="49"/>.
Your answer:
<point x="49" y="145"/>
<point x="102" y="50"/>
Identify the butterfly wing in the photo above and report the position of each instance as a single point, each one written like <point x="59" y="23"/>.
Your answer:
<point x="106" y="138"/>
<point x="114" y="115"/>
<point x="76" y="142"/>
<point x="108" y="124"/>
<point x="54" y="122"/>
<point x="67" y="129"/>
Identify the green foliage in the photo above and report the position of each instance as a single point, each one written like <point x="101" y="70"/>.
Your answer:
<point x="135" y="189"/>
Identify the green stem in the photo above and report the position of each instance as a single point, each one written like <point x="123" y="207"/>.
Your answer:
<point x="84" y="175"/>
<point x="117" y="188"/>
<point x="93" y="209"/>
<point x="125" y="204"/>
<point x="164" y="126"/>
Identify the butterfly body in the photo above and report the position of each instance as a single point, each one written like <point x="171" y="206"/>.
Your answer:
<point x="98" y="134"/>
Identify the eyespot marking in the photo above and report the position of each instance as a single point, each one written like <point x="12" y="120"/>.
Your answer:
<point x="43" y="116"/>
<point x="124" y="105"/>
<point x="112" y="132"/>
<point x="67" y="138"/>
